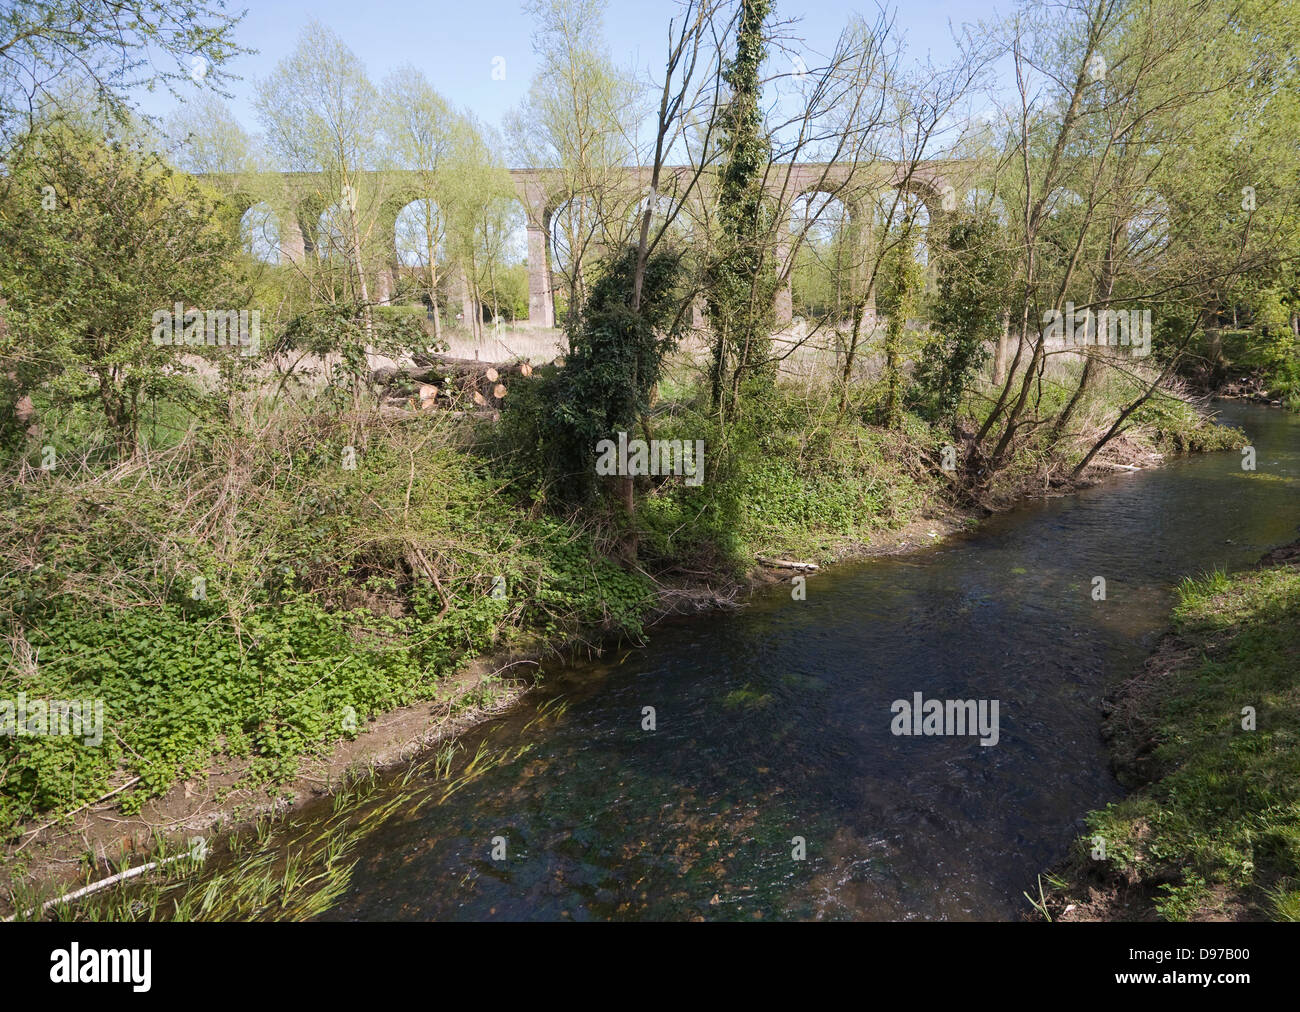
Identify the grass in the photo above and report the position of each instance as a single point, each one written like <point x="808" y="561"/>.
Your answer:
<point x="1210" y="738"/>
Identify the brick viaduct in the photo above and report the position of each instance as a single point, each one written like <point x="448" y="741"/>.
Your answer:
<point x="540" y="192"/>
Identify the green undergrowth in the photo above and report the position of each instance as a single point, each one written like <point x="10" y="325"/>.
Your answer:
<point x="801" y="484"/>
<point x="790" y="476"/>
<point x="253" y="597"/>
<point x="1211" y="742"/>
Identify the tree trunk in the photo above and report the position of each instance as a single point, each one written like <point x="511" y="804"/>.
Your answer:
<point x="433" y="296"/>
<point x="850" y="354"/>
<point x="354" y="240"/>
<point x="1003" y="351"/>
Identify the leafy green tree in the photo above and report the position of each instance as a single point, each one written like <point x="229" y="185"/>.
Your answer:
<point x="81" y="309"/>
<point x="577" y="119"/>
<point x="480" y="201"/>
<point x="321" y="114"/>
<point x="58" y="56"/>
<point x="422" y="130"/>
<point x="1142" y="169"/>
<point x="205" y="139"/>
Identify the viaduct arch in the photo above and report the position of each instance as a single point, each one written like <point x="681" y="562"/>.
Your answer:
<point x="299" y="203"/>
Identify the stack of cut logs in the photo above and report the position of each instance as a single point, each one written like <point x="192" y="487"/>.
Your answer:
<point x="441" y="383"/>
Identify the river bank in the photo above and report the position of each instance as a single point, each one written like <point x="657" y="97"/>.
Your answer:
<point x="1206" y="739"/>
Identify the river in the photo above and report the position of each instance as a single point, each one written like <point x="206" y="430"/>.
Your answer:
<point x="774" y="723"/>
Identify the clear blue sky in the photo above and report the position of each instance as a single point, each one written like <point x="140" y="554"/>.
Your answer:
<point x="454" y="41"/>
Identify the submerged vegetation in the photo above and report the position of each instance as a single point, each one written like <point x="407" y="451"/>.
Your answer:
<point x="283" y="867"/>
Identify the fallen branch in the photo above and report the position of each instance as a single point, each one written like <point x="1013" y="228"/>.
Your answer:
<point x="805" y="567"/>
<point x="95" y="887"/>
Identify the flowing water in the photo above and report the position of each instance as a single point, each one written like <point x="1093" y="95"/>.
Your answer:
<point x="775" y="722"/>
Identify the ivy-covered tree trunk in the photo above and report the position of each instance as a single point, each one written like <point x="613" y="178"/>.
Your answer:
<point x="968" y="310"/>
<point x="742" y="278"/>
<point x="898" y="300"/>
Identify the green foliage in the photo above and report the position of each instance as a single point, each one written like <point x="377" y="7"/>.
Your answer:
<point x="967" y="311"/>
<point x="506" y="289"/>
<point x="552" y="425"/>
<point x="1271" y="356"/>
<point x="63" y="57"/>
<point x="95" y="314"/>
<point x="325" y="588"/>
<point x="820" y="278"/>
<point x="1215" y="824"/>
<point x="340" y="329"/>
<point x="790" y="478"/>
<point x="897" y="299"/>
